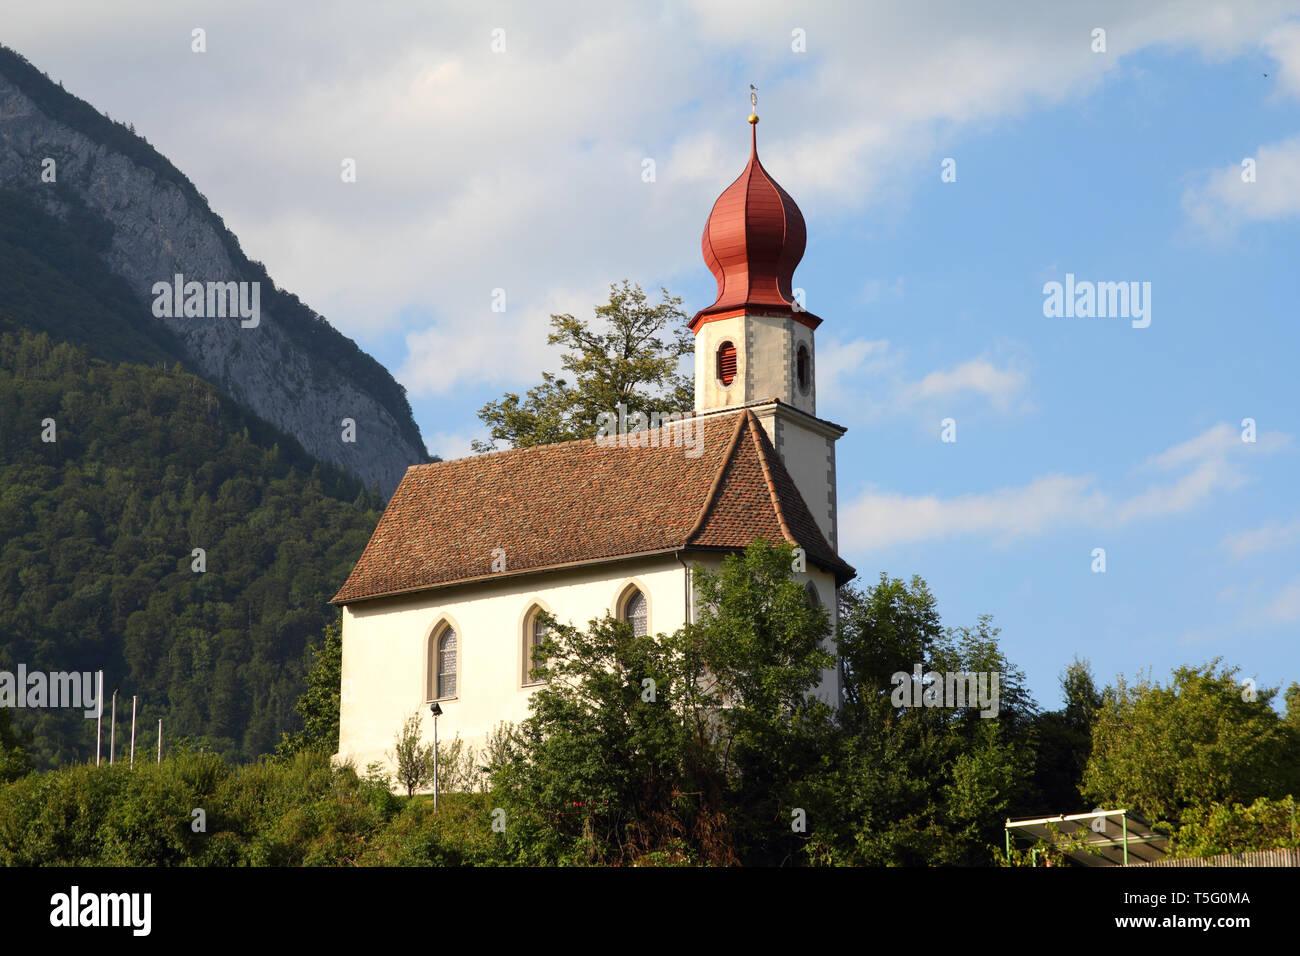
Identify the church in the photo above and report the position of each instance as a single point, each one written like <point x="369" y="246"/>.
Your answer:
<point x="444" y="603"/>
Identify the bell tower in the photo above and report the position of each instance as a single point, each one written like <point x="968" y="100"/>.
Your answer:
<point x="754" y="346"/>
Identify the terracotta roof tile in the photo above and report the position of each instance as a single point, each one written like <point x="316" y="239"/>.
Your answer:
<point x="581" y="501"/>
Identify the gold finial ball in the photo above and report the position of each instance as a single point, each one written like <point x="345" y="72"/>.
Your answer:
<point x="753" y="118"/>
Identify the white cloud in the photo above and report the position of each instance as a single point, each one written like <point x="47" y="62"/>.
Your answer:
<point x="980" y="376"/>
<point x="1285" y="606"/>
<point x="845" y="368"/>
<point x="874" y="290"/>
<point x="1220" y="202"/>
<point x="1259" y="606"/>
<point x="1213" y="443"/>
<point x="522" y="169"/>
<point x="449" y="445"/>
<point x="1210" y="460"/>
<point x="1200" y="635"/>
<point x="866" y="380"/>
<point x="1283" y="44"/>
<point x="877" y="520"/>
<point x="1267" y="537"/>
<point x="438" y="354"/>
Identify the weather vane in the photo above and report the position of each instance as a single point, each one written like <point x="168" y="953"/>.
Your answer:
<point x="753" y="101"/>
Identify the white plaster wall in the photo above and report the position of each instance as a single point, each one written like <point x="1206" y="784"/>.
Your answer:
<point x="808" y="457"/>
<point x="770" y="358"/>
<point x="385" y="648"/>
<point x="829" y="690"/>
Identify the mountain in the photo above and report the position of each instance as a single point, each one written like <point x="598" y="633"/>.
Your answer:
<point x="176" y="504"/>
<point x="115" y="198"/>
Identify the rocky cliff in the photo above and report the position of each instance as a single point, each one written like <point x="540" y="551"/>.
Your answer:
<point x="291" y="368"/>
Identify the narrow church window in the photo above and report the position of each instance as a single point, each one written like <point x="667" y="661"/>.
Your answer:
<point x="447" y="664"/>
<point x="810" y="593"/>
<point x="801" y="368"/>
<point x="726" y="363"/>
<point x="535" y="631"/>
<point x="636" y="613"/>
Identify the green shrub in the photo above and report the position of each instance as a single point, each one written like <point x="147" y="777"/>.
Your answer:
<point x="458" y="833"/>
<point x="1239" y="828"/>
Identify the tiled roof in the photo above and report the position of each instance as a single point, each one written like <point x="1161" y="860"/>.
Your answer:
<point x="579" y="502"/>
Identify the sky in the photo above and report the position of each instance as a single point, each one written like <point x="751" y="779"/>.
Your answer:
<point x="951" y="159"/>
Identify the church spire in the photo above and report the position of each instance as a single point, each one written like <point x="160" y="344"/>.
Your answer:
<point x="753" y="240"/>
<point x="754" y="346"/>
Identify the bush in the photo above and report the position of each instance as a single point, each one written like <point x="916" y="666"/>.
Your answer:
<point x="458" y="833"/>
<point x="1237" y="828"/>
<point x="280" y="812"/>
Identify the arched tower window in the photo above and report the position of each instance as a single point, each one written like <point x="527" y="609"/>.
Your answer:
<point x="726" y="363"/>
<point x="801" y="368"/>
<point x="811" y="596"/>
<point x="636" y="611"/>
<point x="443" y="660"/>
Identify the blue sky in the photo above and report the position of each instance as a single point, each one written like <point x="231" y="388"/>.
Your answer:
<point x="1094" y="187"/>
<point x="521" y="170"/>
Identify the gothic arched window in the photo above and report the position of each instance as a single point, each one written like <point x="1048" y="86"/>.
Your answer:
<point x="535" y="631"/>
<point x="442" y="663"/>
<point x="636" y="611"/>
<point x="801" y="367"/>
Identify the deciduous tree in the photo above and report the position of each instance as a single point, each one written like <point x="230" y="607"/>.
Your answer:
<point x="630" y="356"/>
<point x="1201" y="739"/>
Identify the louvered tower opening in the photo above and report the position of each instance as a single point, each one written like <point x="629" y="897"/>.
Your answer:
<point x="726" y="363"/>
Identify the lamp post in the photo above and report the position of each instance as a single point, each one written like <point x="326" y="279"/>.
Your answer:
<point x="437" y="712"/>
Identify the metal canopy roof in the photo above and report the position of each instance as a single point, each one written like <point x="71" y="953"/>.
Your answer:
<point x="1108" y="837"/>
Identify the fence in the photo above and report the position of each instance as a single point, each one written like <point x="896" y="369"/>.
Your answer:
<point x="1254" y="858"/>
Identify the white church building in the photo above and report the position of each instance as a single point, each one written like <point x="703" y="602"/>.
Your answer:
<point x="443" y="603"/>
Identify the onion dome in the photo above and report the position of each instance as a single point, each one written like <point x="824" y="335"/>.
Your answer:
<point x="754" y="238"/>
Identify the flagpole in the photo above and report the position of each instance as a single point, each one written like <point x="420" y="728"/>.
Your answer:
<point x="133" y="730"/>
<point x="160" y="740"/>
<point x="112" y="730"/>
<point x="99" y="719"/>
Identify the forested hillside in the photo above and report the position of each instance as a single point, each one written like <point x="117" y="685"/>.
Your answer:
<point x="97" y="533"/>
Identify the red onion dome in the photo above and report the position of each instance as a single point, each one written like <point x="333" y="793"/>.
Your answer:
<point x="753" y="240"/>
